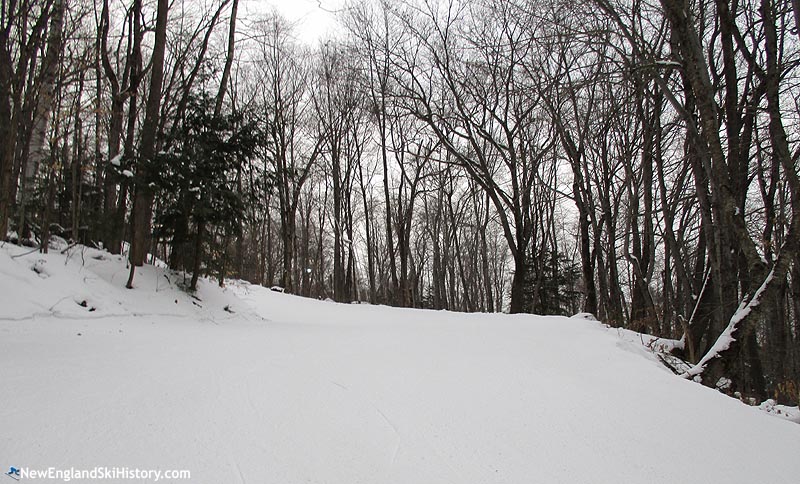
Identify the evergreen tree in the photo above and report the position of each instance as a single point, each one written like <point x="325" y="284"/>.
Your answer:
<point x="198" y="180"/>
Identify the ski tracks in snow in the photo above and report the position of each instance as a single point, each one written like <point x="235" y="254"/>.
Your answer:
<point x="417" y="441"/>
<point x="371" y="403"/>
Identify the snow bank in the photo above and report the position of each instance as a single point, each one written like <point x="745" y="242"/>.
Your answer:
<point x="289" y="390"/>
<point x="82" y="283"/>
<point x="783" y="411"/>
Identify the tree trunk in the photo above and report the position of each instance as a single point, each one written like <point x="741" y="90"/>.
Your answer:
<point x="288" y="238"/>
<point x="226" y="71"/>
<point x="7" y="133"/>
<point x="198" y="254"/>
<point x="519" y="301"/>
<point x="143" y="199"/>
<point x="487" y="281"/>
<point x="44" y="107"/>
<point x="110" y="235"/>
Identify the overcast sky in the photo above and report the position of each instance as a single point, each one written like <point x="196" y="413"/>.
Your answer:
<point x="316" y="18"/>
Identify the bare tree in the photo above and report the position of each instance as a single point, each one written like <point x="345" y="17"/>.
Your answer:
<point x="285" y="98"/>
<point x="143" y="201"/>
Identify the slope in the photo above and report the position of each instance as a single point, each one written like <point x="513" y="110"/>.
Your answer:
<point x="247" y="385"/>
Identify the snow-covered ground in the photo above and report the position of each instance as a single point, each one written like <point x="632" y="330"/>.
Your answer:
<point x="246" y="385"/>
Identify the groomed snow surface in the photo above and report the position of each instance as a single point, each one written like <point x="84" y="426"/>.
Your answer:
<point x="247" y="385"/>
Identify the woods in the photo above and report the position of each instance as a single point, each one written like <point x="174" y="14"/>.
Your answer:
<point x="633" y="160"/>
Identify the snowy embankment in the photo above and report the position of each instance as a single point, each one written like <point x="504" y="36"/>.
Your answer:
<point x="247" y="385"/>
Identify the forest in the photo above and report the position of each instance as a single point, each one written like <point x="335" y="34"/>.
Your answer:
<point x="630" y="159"/>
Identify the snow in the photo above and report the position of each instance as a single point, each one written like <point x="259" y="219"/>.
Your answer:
<point x="127" y="173"/>
<point x="654" y="343"/>
<point x="290" y="390"/>
<point x="783" y="411"/>
<point x="117" y="160"/>
<point x="725" y="340"/>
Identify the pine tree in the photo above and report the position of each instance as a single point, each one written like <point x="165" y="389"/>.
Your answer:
<point x="197" y="180"/>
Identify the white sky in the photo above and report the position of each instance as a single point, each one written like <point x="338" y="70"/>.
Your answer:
<point x="316" y="18"/>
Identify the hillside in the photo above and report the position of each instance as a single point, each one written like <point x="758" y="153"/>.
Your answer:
<point x="247" y="385"/>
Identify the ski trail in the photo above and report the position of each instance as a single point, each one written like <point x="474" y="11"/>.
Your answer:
<point x="371" y="403"/>
<point x="340" y="385"/>
<point x="400" y="436"/>
<point x="239" y="471"/>
<point x="397" y="434"/>
<point x="386" y="419"/>
<point x="394" y="454"/>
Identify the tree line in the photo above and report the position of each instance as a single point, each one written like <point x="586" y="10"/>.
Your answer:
<point x="634" y="160"/>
